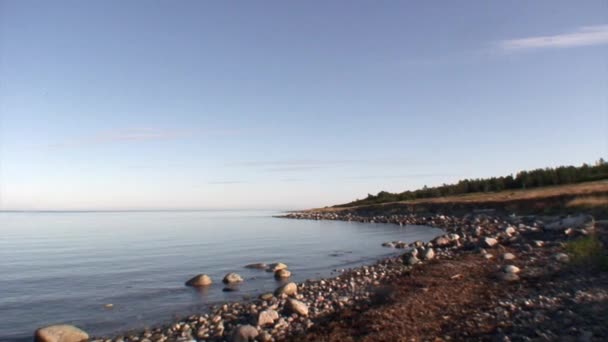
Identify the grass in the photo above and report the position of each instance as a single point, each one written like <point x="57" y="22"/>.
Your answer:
<point x="588" y="251"/>
<point x="589" y="202"/>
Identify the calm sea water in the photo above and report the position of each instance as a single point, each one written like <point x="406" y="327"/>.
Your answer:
<point x="64" y="267"/>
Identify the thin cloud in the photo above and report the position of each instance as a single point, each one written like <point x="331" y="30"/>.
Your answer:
<point x="226" y="182"/>
<point x="583" y="36"/>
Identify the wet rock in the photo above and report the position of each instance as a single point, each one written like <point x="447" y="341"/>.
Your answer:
<point x="60" y="333"/>
<point x="276" y="266"/>
<point x="266" y="296"/>
<point x="297" y="307"/>
<point x="267" y="317"/>
<point x="441" y="241"/>
<point x="257" y="266"/>
<point x="282" y="274"/>
<point x="509" y="277"/>
<point x="579" y="221"/>
<point x="199" y="281"/>
<point x="245" y="333"/>
<point x="288" y="289"/>
<point x="232" y="278"/>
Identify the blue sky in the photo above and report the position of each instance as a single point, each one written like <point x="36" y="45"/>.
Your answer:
<point x="273" y="104"/>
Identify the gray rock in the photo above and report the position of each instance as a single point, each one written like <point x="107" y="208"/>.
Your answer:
<point x="410" y="259"/>
<point x="232" y="278"/>
<point x="508" y="276"/>
<point x="428" y="254"/>
<point x="245" y="333"/>
<point x="276" y="266"/>
<point x="199" y="281"/>
<point x="297" y="307"/>
<point x="288" y="289"/>
<point x="258" y="266"/>
<point x="60" y="333"/>
<point x="578" y="221"/>
<point x="562" y="257"/>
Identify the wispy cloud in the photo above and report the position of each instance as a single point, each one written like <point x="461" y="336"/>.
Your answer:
<point x="226" y="182"/>
<point x="583" y="36"/>
<point x="122" y="135"/>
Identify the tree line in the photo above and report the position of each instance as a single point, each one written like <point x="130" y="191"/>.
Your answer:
<point x="522" y="180"/>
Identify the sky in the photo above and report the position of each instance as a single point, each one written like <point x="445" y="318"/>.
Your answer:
<point x="287" y="105"/>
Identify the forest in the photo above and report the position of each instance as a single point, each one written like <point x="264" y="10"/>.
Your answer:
<point x="522" y="180"/>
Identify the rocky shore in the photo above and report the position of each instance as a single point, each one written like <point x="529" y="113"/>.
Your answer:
<point x="517" y="264"/>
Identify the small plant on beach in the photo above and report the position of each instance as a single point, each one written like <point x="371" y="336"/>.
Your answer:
<point x="588" y="251"/>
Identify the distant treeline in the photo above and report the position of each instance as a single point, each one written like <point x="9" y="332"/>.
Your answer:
<point x="522" y="180"/>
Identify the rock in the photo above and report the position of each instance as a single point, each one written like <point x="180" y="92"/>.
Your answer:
<point x="266" y="296"/>
<point x="60" y="333"/>
<point x="441" y="241"/>
<point x="510" y="231"/>
<point x="265" y="337"/>
<point x="282" y="274"/>
<point x="511" y="269"/>
<point x="297" y="307"/>
<point x="508" y="276"/>
<point x="581" y="221"/>
<point x="508" y="256"/>
<point x="232" y="278"/>
<point x="410" y="259"/>
<point x="562" y="257"/>
<point x="245" y="333"/>
<point x="428" y="254"/>
<point x="258" y="266"/>
<point x="276" y="266"/>
<point x="267" y="317"/>
<point x="489" y="242"/>
<point x="229" y="289"/>
<point x="488" y="256"/>
<point x="199" y="280"/>
<point x="288" y="289"/>
<point x="388" y="244"/>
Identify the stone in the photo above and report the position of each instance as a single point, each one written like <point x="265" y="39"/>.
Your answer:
<point x="199" y="281"/>
<point x="511" y="269"/>
<point x="508" y="276"/>
<point x="245" y="333"/>
<point x="297" y="307"/>
<point x="428" y="254"/>
<point x="288" y="289"/>
<point x="282" y="274"/>
<point x="489" y="242"/>
<point x="388" y="244"/>
<point x="60" y="333"/>
<point x="266" y="296"/>
<point x="410" y="259"/>
<point x="578" y="221"/>
<point x="488" y="256"/>
<point x="510" y="231"/>
<point x="562" y="257"/>
<point x="257" y="266"/>
<point x="441" y="241"/>
<point x="508" y="256"/>
<point x="265" y="337"/>
<point x="276" y="266"/>
<point x="232" y="278"/>
<point x="267" y="317"/>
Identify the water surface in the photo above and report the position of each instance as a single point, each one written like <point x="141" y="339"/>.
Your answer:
<point x="64" y="267"/>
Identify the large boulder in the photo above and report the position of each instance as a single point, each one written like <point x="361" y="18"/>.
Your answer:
<point x="577" y="222"/>
<point x="245" y="333"/>
<point x="232" y="278"/>
<point x="288" y="289"/>
<point x="297" y="307"/>
<point x="60" y="333"/>
<point x="199" y="281"/>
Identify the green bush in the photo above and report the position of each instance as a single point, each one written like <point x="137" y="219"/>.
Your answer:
<point x="588" y="251"/>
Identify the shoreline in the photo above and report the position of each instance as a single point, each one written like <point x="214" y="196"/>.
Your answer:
<point x="304" y="315"/>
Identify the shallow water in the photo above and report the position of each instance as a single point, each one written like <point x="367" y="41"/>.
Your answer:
<point x="64" y="267"/>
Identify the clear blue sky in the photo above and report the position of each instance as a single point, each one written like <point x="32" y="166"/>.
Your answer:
<point x="275" y="104"/>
